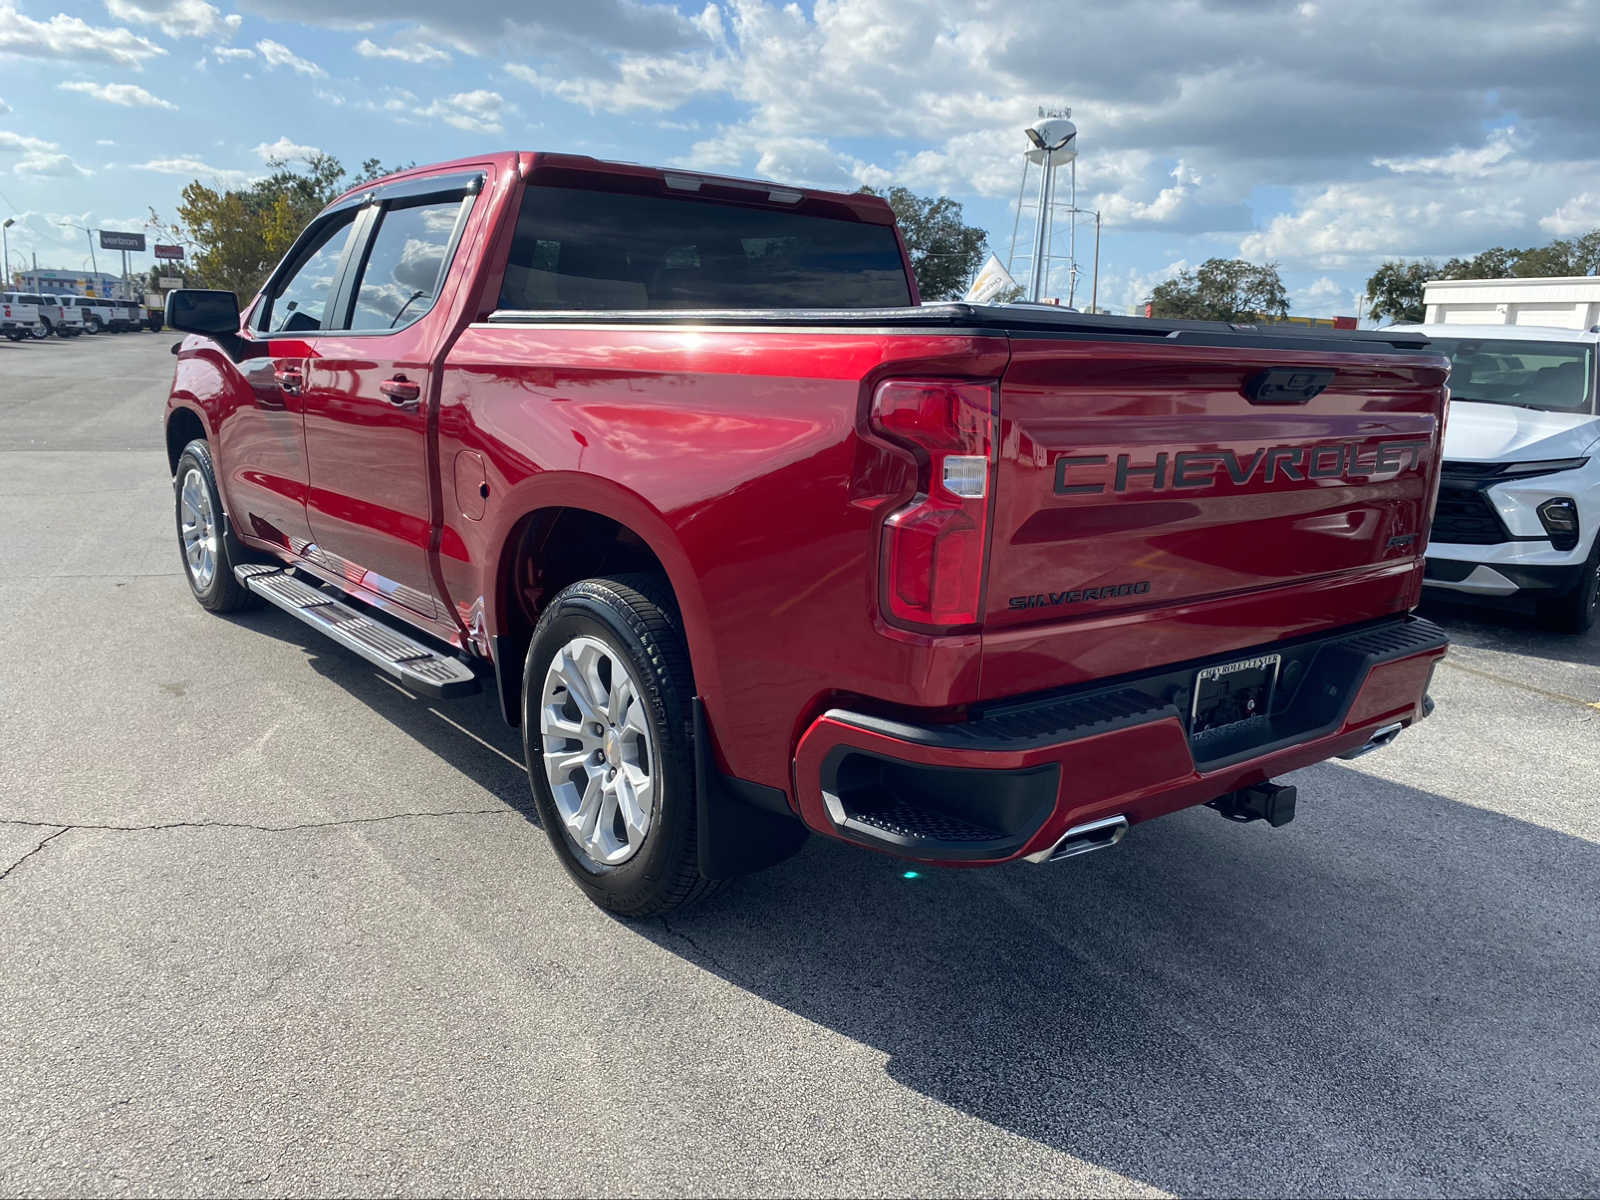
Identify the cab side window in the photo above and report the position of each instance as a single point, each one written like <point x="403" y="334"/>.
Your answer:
<point x="299" y="302"/>
<point x="406" y="264"/>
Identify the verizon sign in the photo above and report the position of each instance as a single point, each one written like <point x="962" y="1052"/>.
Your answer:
<point x="112" y="240"/>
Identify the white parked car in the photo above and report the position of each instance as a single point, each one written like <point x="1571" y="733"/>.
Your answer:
<point x="61" y="316"/>
<point x="1519" y="503"/>
<point x="18" y="316"/>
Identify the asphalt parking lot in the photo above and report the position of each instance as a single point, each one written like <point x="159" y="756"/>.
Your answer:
<point x="271" y="926"/>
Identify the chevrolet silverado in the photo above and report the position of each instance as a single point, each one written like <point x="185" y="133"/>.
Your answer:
<point x="750" y="543"/>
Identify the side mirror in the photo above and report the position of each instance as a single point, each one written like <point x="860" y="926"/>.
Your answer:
<point x="213" y="313"/>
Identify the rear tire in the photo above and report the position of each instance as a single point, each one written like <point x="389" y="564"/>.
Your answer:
<point x="607" y="722"/>
<point x="1579" y="607"/>
<point x="92" y="324"/>
<point x="41" y="329"/>
<point x="203" y="543"/>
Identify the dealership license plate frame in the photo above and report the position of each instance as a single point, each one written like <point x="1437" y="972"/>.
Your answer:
<point x="1233" y="677"/>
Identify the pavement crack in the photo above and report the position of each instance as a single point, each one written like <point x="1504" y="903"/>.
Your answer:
<point x="1517" y="683"/>
<point x="402" y="816"/>
<point x="48" y="839"/>
<point x="706" y="955"/>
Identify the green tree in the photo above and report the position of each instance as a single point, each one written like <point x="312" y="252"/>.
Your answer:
<point x="1578" y="256"/>
<point x="945" y="251"/>
<point x="1497" y="262"/>
<point x="237" y="235"/>
<point x="1223" y="289"/>
<point x="1394" y="291"/>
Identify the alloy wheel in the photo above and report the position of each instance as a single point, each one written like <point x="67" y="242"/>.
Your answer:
<point x="598" y="750"/>
<point x="198" y="526"/>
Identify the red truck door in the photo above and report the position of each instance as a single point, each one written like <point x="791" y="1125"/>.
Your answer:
<point x="367" y="392"/>
<point x="262" y="441"/>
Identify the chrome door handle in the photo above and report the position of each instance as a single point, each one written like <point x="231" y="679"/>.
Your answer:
<point x="290" y="381"/>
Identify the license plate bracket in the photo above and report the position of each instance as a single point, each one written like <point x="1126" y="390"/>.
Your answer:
<point x="1229" y="694"/>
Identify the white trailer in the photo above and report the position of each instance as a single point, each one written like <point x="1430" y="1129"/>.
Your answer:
<point x="1568" y="302"/>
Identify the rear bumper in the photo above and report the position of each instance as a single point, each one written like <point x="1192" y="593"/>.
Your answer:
<point x="1008" y="782"/>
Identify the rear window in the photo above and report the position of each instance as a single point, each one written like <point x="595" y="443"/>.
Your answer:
<point x="578" y="249"/>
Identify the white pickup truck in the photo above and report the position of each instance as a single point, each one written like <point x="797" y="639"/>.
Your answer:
<point x="1519" y="498"/>
<point x="60" y="316"/>
<point x="19" y="316"/>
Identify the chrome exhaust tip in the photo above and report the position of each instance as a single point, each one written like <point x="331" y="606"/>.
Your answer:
<point x="1084" y="839"/>
<point x="1377" y="741"/>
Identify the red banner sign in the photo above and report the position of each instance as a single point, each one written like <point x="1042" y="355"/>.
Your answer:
<point x="168" y="251"/>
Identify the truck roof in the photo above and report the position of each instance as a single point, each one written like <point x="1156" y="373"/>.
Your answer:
<point x="873" y="209"/>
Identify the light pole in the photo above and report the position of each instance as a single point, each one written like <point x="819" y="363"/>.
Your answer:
<point x="5" y="247"/>
<point x="88" y="233"/>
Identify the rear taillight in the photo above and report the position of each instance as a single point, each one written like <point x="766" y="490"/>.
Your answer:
<point x="933" y="546"/>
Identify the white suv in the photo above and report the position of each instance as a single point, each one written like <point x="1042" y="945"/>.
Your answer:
<point x="1519" y="500"/>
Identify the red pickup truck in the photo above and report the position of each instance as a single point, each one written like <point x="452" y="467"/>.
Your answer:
<point x="750" y="543"/>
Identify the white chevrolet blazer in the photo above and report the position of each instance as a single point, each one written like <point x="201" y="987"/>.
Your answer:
<point x="1519" y="500"/>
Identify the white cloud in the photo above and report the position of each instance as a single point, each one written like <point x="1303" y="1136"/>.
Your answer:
<point x="658" y="82"/>
<point x="231" y="53"/>
<point x="283" y="150"/>
<point x="36" y="156"/>
<point x="1577" y="216"/>
<point x="127" y="95"/>
<point x="196" y="168"/>
<point x="54" y="166"/>
<point x="21" y="141"/>
<point x="277" y="54"/>
<point x="1459" y="162"/>
<point x="1118" y="208"/>
<point x="1324" y="297"/>
<point x="71" y="37"/>
<point x="176" y="18"/>
<point x="414" y="53"/>
<point x="478" y="111"/>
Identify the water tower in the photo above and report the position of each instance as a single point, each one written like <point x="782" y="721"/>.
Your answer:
<point x="1054" y="145"/>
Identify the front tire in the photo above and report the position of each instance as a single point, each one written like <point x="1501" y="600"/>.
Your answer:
<point x="202" y="541"/>
<point x="93" y="324"/>
<point x="41" y="329"/>
<point x="607" y="731"/>
<point x="1576" y="610"/>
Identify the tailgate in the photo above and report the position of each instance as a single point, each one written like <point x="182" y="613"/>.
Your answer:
<point x="1141" y="476"/>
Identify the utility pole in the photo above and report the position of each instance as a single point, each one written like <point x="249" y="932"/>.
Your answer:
<point x="5" y="248"/>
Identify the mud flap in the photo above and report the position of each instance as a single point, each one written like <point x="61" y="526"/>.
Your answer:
<point x="741" y="826"/>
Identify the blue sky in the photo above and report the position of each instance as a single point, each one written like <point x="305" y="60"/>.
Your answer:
<point x="1322" y="136"/>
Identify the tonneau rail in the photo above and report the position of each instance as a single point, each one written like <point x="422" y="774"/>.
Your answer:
<point x="1016" y="320"/>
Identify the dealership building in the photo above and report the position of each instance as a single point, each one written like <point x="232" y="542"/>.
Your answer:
<point x="77" y="283"/>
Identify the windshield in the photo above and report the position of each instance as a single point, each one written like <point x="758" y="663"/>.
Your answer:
<point x="1549" y="376"/>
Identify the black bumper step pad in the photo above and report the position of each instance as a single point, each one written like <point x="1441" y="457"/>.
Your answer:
<point x="430" y="672"/>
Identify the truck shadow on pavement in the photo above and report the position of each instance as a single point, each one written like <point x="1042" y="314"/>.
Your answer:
<point x="1395" y="994"/>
